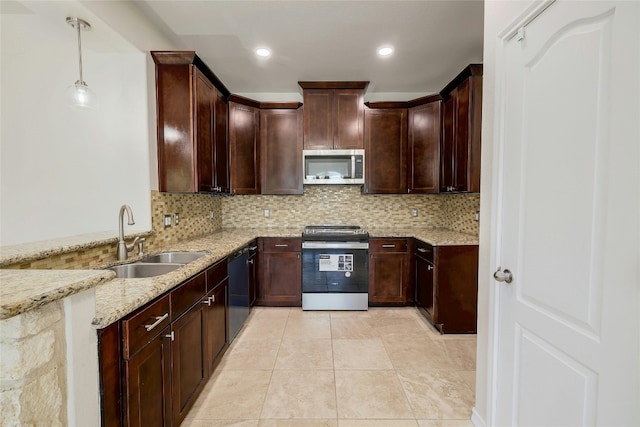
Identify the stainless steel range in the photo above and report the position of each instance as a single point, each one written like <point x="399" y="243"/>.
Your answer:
<point x="335" y="268"/>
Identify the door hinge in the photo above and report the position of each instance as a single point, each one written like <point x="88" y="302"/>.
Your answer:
<point x="520" y="34"/>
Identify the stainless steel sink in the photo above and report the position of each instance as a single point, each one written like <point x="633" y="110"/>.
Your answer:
<point x="173" y="257"/>
<point x="139" y="270"/>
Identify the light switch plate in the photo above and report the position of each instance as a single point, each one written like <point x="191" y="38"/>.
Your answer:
<point x="167" y="220"/>
<point x="267" y="213"/>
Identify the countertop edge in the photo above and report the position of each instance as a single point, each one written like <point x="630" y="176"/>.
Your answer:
<point x="74" y="286"/>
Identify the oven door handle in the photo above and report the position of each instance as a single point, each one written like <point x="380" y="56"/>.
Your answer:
<point x="335" y="245"/>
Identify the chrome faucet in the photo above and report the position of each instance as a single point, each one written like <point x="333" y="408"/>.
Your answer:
<point x="123" y="248"/>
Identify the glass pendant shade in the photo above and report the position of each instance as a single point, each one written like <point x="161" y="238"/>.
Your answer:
<point x="79" y="94"/>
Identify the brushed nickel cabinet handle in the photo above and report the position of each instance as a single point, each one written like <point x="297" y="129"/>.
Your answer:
<point x="159" y="320"/>
<point x="282" y="246"/>
<point x="423" y="250"/>
<point x="388" y="246"/>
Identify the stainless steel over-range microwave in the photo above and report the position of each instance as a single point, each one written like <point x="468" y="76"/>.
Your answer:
<point x="333" y="166"/>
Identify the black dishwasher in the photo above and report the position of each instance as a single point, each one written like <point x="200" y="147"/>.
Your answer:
<point x="238" y="291"/>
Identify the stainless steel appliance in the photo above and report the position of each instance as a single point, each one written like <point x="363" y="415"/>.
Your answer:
<point x="333" y="166"/>
<point x="335" y="268"/>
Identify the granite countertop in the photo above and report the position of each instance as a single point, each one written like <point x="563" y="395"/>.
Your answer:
<point x="26" y="252"/>
<point x="23" y="290"/>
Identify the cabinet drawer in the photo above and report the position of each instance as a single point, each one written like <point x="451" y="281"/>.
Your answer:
<point x="279" y="244"/>
<point x="388" y="245"/>
<point x="216" y="274"/>
<point x="142" y="326"/>
<point x="424" y="250"/>
<point x="186" y="294"/>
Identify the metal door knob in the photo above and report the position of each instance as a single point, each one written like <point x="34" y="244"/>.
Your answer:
<point x="503" y="276"/>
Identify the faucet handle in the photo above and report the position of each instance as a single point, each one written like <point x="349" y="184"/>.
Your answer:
<point x="141" y="246"/>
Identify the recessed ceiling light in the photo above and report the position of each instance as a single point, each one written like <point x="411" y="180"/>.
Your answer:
<point x="385" y="50"/>
<point x="263" y="51"/>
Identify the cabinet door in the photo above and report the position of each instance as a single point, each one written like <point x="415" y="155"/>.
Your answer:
<point x="189" y="366"/>
<point x="388" y="278"/>
<point x="244" y="149"/>
<point x="176" y="155"/>
<point x="281" y="151"/>
<point x="216" y="324"/>
<point x="318" y="119"/>
<point x="281" y="282"/>
<point x="385" y="137"/>
<point x="221" y="144"/>
<point x="203" y="115"/>
<point x="424" y="286"/>
<point x="147" y="384"/>
<point x="348" y="119"/>
<point x="461" y="136"/>
<point x="456" y="288"/>
<point x="424" y="148"/>
<point x="447" y="152"/>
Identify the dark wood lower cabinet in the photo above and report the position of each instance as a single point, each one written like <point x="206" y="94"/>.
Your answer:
<point x="447" y="286"/>
<point x="189" y="370"/>
<point x="281" y="272"/>
<point x="147" y="384"/>
<point x="216" y="335"/>
<point x="389" y="278"/>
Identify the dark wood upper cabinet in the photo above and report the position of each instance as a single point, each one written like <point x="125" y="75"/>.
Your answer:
<point x="385" y="136"/>
<point x="192" y="125"/>
<point x="281" y="151"/>
<point x="424" y="148"/>
<point x="461" y="129"/>
<point x="333" y="115"/>
<point x="244" y="147"/>
<point x="221" y="173"/>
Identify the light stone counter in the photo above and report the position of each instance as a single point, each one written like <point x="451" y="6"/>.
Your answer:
<point x="435" y="237"/>
<point x="37" y="250"/>
<point x="120" y="297"/>
<point x="25" y="290"/>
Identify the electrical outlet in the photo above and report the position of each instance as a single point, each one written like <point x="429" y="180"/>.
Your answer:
<point x="176" y="218"/>
<point x="167" y="220"/>
<point x="267" y="213"/>
<point x="414" y="212"/>
<point x="477" y="215"/>
<point x="210" y="214"/>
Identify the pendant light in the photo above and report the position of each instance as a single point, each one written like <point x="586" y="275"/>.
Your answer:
<point x="79" y="94"/>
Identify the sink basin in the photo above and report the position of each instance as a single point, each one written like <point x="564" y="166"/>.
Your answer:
<point x="173" y="257"/>
<point x="140" y="270"/>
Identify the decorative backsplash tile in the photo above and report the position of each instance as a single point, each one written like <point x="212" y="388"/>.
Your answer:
<point x="202" y="214"/>
<point x="346" y="204"/>
<point x="199" y="214"/>
<point x="458" y="212"/>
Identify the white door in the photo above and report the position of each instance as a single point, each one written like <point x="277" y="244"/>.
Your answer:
<point x="567" y="326"/>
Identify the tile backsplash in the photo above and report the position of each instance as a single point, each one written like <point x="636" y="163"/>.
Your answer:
<point x="347" y="205"/>
<point x="199" y="214"/>
<point x="202" y="214"/>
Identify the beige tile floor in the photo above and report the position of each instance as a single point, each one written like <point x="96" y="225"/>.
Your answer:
<point x="379" y="368"/>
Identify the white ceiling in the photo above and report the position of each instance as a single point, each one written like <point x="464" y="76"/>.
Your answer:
<point x="327" y="40"/>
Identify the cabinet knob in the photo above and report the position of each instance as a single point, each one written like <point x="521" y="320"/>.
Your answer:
<point x="171" y="336"/>
<point x="429" y="267"/>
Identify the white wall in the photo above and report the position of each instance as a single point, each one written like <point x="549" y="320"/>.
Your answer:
<point x="497" y="15"/>
<point x="66" y="171"/>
